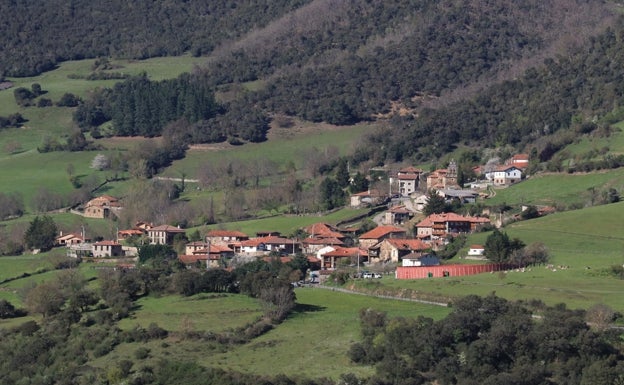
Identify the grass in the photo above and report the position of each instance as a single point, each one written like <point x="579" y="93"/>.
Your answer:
<point x="200" y="312"/>
<point x="312" y="342"/>
<point x="292" y="145"/>
<point x="576" y="239"/>
<point x="11" y="267"/>
<point x="559" y="189"/>
<point x="25" y="170"/>
<point x="588" y="143"/>
<point x="288" y="224"/>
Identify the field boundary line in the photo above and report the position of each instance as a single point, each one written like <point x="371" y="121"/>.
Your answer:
<point x="443" y="304"/>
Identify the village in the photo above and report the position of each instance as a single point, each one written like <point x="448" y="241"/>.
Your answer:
<point x="398" y="243"/>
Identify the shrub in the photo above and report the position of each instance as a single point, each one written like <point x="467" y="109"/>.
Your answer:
<point x="141" y="353"/>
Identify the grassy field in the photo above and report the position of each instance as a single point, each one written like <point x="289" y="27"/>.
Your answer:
<point x="312" y="342"/>
<point x="584" y="242"/>
<point x="559" y="189"/>
<point x="586" y="144"/>
<point x="25" y="170"/>
<point x="289" y="145"/>
<point x="287" y="224"/>
<point x="201" y="312"/>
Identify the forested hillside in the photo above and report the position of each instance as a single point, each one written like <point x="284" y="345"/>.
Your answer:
<point x="37" y="35"/>
<point x="583" y="91"/>
<point x="442" y="73"/>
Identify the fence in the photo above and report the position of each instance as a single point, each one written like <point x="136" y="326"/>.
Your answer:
<point x="419" y="272"/>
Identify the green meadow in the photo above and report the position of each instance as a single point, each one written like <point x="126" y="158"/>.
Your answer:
<point x="288" y="146"/>
<point x="22" y="168"/>
<point x="583" y="245"/>
<point x="590" y="144"/>
<point x="197" y="313"/>
<point x="288" y="224"/>
<point x="559" y="189"/>
<point x="311" y="342"/>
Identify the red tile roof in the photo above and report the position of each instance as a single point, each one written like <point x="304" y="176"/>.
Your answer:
<point x="272" y="240"/>
<point x="347" y="252"/>
<point x="214" y="249"/>
<point x="381" y="231"/>
<point x="408" y="244"/>
<point x="227" y="233"/>
<point x="411" y="170"/>
<point x="323" y="230"/>
<point x="322" y="241"/>
<point x="167" y="228"/>
<point x="449" y="217"/>
<point x="68" y="236"/>
<point x="408" y="176"/>
<point x="130" y="232"/>
<point x="399" y="210"/>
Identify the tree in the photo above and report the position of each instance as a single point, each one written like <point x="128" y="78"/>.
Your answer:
<point x="435" y="204"/>
<point x="46" y="299"/>
<point x="68" y="100"/>
<point x="529" y="213"/>
<point x="300" y="263"/>
<point x="499" y="248"/>
<point x="332" y="195"/>
<point x="36" y="89"/>
<point x="23" y="96"/>
<point x="359" y="184"/>
<point x="156" y="252"/>
<point x="7" y="310"/>
<point x="536" y="254"/>
<point x="41" y="233"/>
<point x="600" y="316"/>
<point x="100" y="162"/>
<point x="342" y="173"/>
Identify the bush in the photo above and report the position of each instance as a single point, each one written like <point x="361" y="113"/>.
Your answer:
<point x="141" y="353"/>
<point x="617" y="271"/>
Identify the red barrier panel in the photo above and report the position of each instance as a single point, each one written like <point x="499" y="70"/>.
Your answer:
<point x="418" y="272"/>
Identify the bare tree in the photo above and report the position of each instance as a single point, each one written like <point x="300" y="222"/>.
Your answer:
<point x="46" y="299"/>
<point x="234" y="204"/>
<point x="100" y="162"/>
<point x="599" y="316"/>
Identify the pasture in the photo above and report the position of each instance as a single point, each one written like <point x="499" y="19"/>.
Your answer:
<point x="591" y="145"/>
<point x="200" y="312"/>
<point x="287" y="224"/>
<point x="312" y="342"/>
<point x="583" y="244"/>
<point x="24" y="169"/>
<point x="290" y="146"/>
<point x="567" y="190"/>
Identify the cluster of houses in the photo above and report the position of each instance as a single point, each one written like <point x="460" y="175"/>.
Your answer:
<point x="409" y="181"/>
<point x="326" y="246"/>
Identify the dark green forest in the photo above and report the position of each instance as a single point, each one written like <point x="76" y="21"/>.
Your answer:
<point x="489" y="341"/>
<point x="38" y="35"/>
<point x="484" y="73"/>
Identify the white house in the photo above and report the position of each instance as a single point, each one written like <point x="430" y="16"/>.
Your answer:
<point x="324" y="250"/>
<point x="418" y="259"/>
<point x="476" y="251"/>
<point x="504" y="175"/>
